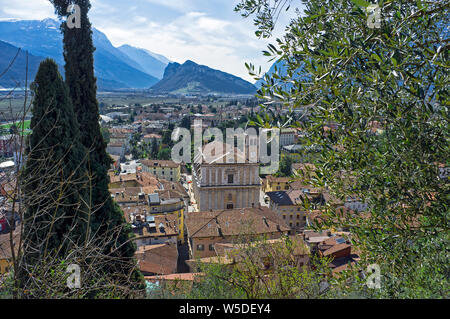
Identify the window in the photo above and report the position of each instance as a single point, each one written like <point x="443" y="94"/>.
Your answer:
<point x="200" y="247"/>
<point x="278" y="188"/>
<point x="230" y="197"/>
<point x="298" y="216"/>
<point x="211" y="247"/>
<point x="291" y="216"/>
<point x="230" y="179"/>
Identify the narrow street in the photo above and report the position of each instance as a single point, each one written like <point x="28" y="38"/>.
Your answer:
<point x="183" y="255"/>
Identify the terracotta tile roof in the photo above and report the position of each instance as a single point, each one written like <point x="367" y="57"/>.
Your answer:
<point x="295" y="196"/>
<point x="158" y="259"/>
<point x="296" y="185"/>
<point x="150" y="189"/>
<point x="128" y="195"/>
<point x="171" y="194"/>
<point x="140" y="210"/>
<point x="174" y="187"/>
<point x="157" y="136"/>
<point x="142" y="178"/>
<point x="234" y="222"/>
<point x="170" y="222"/>
<point x="334" y="249"/>
<point x="159" y="163"/>
<point x="340" y="264"/>
<point x="332" y="199"/>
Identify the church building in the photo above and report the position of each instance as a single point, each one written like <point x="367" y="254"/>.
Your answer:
<point x="221" y="181"/>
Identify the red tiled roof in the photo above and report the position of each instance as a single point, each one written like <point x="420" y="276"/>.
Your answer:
<point x="158" y="259"/>
<point x="159" y="163"/>
<point x="234" y="222"/>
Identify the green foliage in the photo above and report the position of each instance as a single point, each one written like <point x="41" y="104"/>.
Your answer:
<point x="106" y="135"/>
<point x="263" y="270"/>
<point x="164" y="154"/>
<point x="55" y="174"/>
<point x="395" y="78"/>
<point x="186" y="123"/>
<point x="79" y="72"/>
<point x="155" y="148"/>
<point x="285" y="166"/>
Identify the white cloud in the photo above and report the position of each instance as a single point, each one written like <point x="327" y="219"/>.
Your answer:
<point x="178" y="5"/>
<point x="217" y="43"/>
<point x="29" y="10"/>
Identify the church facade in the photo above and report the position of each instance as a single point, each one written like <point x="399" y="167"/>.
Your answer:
<point x="226" y="184"/>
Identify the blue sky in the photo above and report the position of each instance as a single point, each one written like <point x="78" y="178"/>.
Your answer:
<point x="206" y="31"/>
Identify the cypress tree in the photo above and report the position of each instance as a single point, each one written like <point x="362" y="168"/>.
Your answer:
<point x="79" y="71"/>
<point x="54" y="174"/>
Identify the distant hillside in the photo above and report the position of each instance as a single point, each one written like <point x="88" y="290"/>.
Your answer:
<point x="281" y="69"/>
<point x="113" y="68"/>
<point x="17" y="72"/>
<point x="191" y="78"/>
<point x="149" y="62"/>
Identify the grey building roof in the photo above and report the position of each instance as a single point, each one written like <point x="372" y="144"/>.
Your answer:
<point x="281" y="198"/>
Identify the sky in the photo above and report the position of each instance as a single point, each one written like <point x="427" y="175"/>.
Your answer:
<point x="207" y="32"/>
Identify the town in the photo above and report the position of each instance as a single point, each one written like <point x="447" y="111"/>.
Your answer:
<point x="184" y="215"/>
<point x="191" y="174"/>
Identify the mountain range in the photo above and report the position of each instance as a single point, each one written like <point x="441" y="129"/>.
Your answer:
<point x="192" y="78"/>
<point x="124" y="67"/>
<point x="281" y="69"/>
<point x="10" y="72"/>
<point x="113" y="68"/>
<point x="147" y="61"/>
